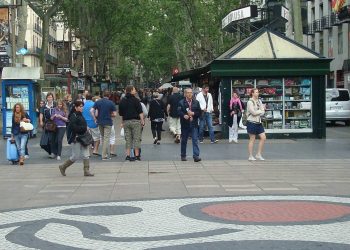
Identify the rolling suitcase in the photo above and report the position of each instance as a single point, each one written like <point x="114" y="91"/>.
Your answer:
<point x="11" y="151"/>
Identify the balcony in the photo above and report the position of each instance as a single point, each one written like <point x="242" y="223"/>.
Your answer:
<point x="35" y="51"/>
<point x="317" y="25"/>
<point x="37" y="28"/>
<point x="326" y="22"/>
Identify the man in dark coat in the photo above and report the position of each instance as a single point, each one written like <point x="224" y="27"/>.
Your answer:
<point x="189" y="111"/>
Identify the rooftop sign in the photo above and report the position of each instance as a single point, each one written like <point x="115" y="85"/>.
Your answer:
<point x="239" y="14"/>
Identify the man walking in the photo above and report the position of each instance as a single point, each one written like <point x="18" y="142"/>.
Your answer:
<point x="189" y="111"/>
<point x="206" y="103"/>
<point x="174" y="119"/>
<point x="90" y="121"/>
<point x="103" y="111"/>
<point x="130" y="110"/>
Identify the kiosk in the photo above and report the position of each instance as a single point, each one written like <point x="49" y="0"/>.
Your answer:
<point x="290" y="77"/>
<point x="20" y="85"/>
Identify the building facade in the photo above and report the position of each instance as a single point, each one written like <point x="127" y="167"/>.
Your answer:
<point x="329" y="36"/>
<point x="34" y="39"/>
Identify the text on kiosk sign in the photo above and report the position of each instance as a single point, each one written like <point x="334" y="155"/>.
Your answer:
<point x="236" y="15"/>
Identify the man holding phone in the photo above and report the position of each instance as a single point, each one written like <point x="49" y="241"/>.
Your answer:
<point x="189" y="111"/>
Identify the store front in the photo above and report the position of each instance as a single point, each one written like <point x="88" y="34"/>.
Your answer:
<point x="291" y="79"/>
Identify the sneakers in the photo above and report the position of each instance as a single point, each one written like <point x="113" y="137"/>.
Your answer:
<point x="251" y="158"/>
<point x="215" y="141"/>
<point x="200" y="141"/>
<point x="52" y="156"/>
<point x="58" y="158"/>
<point x="197" y="159"/>
<point x="155" y="141"/>
<point x="235" y="140"/>
<point x="259" y="157"/>
<point x="26" y="157"/>
<point x="183" y="158"/>
<point x="106" y="158"/>
<point x="137" y="158"/>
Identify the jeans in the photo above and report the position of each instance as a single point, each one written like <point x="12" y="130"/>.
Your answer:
<point x="79" y="151"/>
<point x="59" y="139"/>
<point x="105" y="134"/>
<point x="156" y="128"/>
<point x="185" y="132"/>
<point x="21" y="141"/>
<point x="206" y="119"/>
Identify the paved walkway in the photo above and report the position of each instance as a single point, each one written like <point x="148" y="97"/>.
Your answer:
<point x="297" y="199"/>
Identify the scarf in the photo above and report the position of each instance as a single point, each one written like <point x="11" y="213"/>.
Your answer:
<point x="235" y="101"/>
<point x="18" y="117"/>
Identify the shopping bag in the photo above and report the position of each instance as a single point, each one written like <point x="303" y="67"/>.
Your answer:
<point x="26" y="126"/>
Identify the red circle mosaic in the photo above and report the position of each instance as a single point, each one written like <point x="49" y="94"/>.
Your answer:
<point x="276" y="211"/>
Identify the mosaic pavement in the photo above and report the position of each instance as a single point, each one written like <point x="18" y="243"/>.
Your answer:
<point x="242" y="222"/>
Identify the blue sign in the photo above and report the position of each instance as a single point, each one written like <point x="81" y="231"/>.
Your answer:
<point x="22" y="51"/>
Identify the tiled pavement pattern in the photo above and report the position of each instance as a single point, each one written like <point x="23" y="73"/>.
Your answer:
<point x="41" y="185"/>
<point x="178" y="224"/>
<point x="300" y="202"/>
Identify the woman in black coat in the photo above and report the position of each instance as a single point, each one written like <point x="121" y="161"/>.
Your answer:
<point x="78" y="127"/>
<point x="156" y="115"/>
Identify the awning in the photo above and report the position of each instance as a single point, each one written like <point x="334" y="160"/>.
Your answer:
<point x="191" y="73"/>
<point x="24" y="73"/>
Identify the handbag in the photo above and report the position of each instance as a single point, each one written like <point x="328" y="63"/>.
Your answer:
<point x="244" y="118"/>
<point x="50" y="126"/>
<point x="26" y="126"/>
<point x="85" y="139"/>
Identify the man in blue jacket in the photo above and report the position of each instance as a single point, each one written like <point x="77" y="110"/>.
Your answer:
<point x="189" y="111"/>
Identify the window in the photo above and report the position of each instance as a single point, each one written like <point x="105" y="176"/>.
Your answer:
<point x="340" y="41"/>
<point x="334" y="95"/>
<point x="330" y="44"/>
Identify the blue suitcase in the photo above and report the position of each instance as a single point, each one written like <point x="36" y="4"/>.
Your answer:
<point x="11" y="151"/>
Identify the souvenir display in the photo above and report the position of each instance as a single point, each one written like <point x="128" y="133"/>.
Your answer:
<point x="287" y="100"/>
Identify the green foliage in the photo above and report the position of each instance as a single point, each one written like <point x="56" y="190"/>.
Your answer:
<point x="158" y="34"/>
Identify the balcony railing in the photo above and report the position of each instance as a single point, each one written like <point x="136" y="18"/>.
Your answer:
<point x="326" y="22"/>
<point x="36" y="51"/>
<point x="38" y="28"/>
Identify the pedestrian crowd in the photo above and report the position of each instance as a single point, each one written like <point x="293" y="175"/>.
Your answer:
<point x="89" y="123"/>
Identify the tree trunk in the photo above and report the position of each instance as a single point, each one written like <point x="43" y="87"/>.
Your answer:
<point x="298" y="32"/>
<point x="289" y="28"/>
<point x="177" y="53"/>
<point x="22" y="27"/>
<point x="44" y="41"/>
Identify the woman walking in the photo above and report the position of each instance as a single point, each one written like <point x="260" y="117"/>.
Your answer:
<point x="78" y="126"/>
<point x="48" y="137"/>
<point x="21" y="137"/>
<point x="59" y="116"/>
<point x="255" y="109"/>
<point x="236" y="110"/>
<point x="156" y="115"/>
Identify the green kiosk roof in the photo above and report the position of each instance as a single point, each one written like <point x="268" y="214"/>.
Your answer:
<point x="264" y="53"/>
<point x="268" y="53"/>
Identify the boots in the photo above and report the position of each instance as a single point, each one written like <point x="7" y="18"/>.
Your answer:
<point x="21" y="160"/>
<point x="64" y="166"/>
<point x="86" y="168"/>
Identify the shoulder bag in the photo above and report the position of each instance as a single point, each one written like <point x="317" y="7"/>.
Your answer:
<point x="50" y="126"/>
<point x="85" y="139"/>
